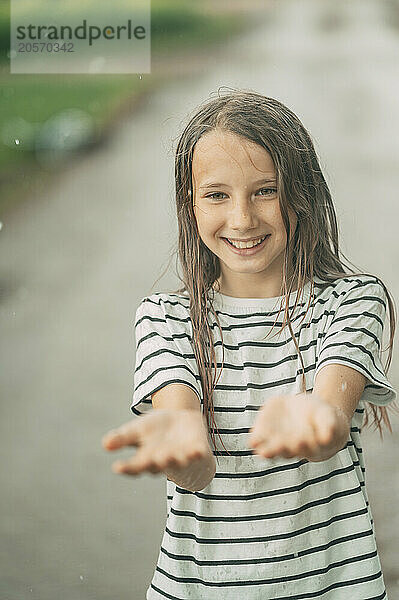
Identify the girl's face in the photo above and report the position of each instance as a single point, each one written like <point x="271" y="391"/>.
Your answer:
<point x="235" y="198"/>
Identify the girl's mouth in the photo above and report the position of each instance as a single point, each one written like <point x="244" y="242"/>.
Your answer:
<point x="247" y="251"/>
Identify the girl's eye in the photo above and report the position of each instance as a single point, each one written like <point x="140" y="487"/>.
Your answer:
<point x="271" y="191"/>
<point x="214" y="194"/>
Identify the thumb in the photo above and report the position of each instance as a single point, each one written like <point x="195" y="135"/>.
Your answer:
<point x="125" y="435"/>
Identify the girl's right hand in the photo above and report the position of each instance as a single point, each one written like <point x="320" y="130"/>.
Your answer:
<point x="166" y="439"/>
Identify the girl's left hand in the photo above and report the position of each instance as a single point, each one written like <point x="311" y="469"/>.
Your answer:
<point x="301" y="425"/>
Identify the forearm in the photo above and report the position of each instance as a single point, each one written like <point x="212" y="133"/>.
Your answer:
<point x="196" y="475"/>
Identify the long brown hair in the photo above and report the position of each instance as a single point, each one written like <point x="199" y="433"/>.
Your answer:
<point x="313" y="251"/>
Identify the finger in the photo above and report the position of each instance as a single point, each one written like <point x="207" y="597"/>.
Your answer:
<point x="294" y="447"/>
<point x="258" y="434"/>
<point x="164" y="459"/>
<point x="141" y="462"/>
<point x="126" y="435"/>
<point x="273" y="447"/>
<point x="183" y="457"/>
<point x="254" y="439"/>
<point x="164" y="462"/>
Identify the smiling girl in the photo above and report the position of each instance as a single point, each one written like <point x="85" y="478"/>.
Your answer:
<point x="255" y="379"/>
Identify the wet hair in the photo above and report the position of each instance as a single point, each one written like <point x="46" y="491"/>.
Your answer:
<point x="313" y="250"/>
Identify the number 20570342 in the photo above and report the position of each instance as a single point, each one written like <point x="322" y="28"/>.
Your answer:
<point x="45" y="47"/>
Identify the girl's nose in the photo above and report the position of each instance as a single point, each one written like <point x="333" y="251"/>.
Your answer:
<point x="241" y="215"/>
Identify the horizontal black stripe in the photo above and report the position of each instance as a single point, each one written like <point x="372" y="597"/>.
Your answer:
<point x="274" y="580"/>
<point x="252" y="452"/>
<point x="361" y="348"/>
<point x="372" y="298"/>
<point x="264" y="472"/>
<point x="249" y="385"/>
<point x="334" y="586"/>
<point x="268" y="493"/>
<point x="266" y="516"/>
<point x="315" y="594"/>
<point x="136" y="411"/>
<point x="233" y="347"/>
<point x="379" y="597"/>
<point x="265" y="321"/>
<point x="236" y="431"/>
<point x="162" y="351"/>
<point x="270" y="559"/>
<point x="147" y="400"/>
<point x="233" y="453"/>
<point x="260" y="313"/>
<point x="377" y="390"/>
<point x="364" y="313"/>
<point x="267" y="538"/>
<point x="235" y="409"/>
<point x="242" y="430"/>
<point x="267" y="385"/>
<point x="171" y="367"/>
<point x="168" y="338"/>
<point x="226" y="366"/>
<point x="165" y="594"/>
<point x="353" y="330"/>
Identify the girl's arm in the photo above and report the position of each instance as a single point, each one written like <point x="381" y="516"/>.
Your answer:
<point x="341" y="387"/>
<point x="172" y="439"/>
<point x="196" y="475"/>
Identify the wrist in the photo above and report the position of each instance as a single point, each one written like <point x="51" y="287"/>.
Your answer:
<point x="195" y="476"/>
<point x="340" y="434"/>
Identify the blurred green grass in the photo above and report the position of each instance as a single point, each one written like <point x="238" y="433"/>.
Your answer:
<point x="175" y="26"/>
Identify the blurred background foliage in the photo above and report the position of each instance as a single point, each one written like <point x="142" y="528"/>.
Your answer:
<point x="46" y="118"/>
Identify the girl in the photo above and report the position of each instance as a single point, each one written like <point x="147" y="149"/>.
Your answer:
<point x="265" y="474"/>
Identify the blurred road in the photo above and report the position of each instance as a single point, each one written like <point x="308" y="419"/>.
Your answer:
<point x="76" y="260"/>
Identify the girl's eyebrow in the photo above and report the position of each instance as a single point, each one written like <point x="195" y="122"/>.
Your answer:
<point x="213" y="185"/>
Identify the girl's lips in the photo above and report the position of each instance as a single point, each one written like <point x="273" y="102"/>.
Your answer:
<point x="247" y="251"/>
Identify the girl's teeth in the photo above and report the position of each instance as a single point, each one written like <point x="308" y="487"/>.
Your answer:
<point x="247" y="244"/>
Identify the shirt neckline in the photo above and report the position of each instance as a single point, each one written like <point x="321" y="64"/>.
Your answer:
<point x="222" y="300"/>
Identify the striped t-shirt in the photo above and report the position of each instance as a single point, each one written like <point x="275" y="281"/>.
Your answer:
<point x="268" y="528"/>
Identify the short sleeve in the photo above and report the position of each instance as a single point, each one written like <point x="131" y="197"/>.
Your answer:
<point x="164" y="353"/>
<point x="354" y="338"/>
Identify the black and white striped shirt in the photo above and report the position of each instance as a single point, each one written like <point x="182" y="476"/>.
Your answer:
<point x="278" y="528"/>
